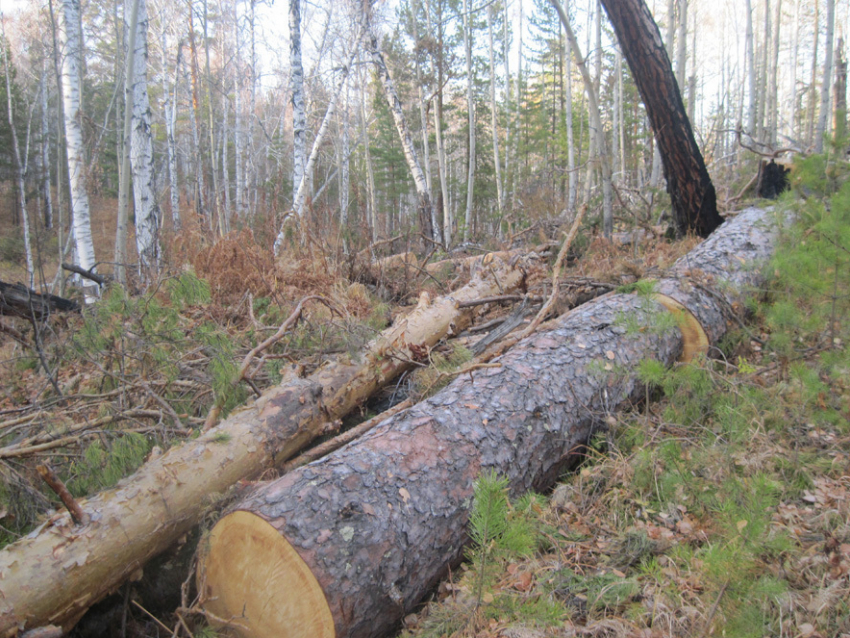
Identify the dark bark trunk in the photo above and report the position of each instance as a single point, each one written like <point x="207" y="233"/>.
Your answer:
<point x="688" y="183"/>
<point x="16" y="300"/>
<point x="347" y="545"/>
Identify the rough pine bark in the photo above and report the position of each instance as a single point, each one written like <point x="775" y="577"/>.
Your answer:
<point x="349" y="544"/>
<point x="55" y="575"/>
<point x="692" y="194"/>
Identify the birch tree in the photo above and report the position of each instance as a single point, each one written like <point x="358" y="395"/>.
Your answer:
<point x="296" y="88"/>
<point x="71" y="51"/>
<point x="494" y="114"/>
<point x="827" y="77"/>
<point x="424" y="204"/>
<point x="141" y="153"/>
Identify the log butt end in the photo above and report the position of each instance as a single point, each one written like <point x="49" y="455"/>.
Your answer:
<point x="253" y="578"/>
<point x="694" y="339"/>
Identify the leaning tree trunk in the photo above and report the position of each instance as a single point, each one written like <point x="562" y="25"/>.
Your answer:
<point x="54" y="576"/>
<point x="349" y="544"/>
<point x="691" y="191"/>
<point x="425" y="205"/>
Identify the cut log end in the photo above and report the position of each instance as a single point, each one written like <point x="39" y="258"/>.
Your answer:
<point x="694" y="339"/>
<point x="255" y="579"/>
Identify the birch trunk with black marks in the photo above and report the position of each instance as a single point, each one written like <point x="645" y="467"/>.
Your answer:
<point x="470" y="122"/>
<point x="348" y="545"/>
<point x="71" y="48"/>
<point x="146" y="207"/>
<point x="296" y="89"/>
<point x="826" y="86"/>
<point x="410" y="155"/>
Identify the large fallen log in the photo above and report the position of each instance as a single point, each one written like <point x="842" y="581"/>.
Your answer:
<point x="347" y="545"/>
<point x="56" y="573"/>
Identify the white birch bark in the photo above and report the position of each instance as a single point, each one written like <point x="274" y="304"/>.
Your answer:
<point x="423" y="118"/>
<point x="296" y="88"/>
<point x="825" y="103"/>
<point x="301" y="191"/>
<point x="141" y="154"/>
<point x="71" y="50"/>
<point x="225" y="164"/>
<point x="251" y="167"/>
<point x="773" y="79"/>
<point x="19" y="167"/>
<point x="682" y="45"/>
<point x="470" y="107"/>
<point x="223" y="221"/>
<point x="813" y="94"/>
<point x="403" y="131"/>
<point x="494" y="116"/>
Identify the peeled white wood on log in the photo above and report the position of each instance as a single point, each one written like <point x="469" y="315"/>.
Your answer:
<point x="55" y="574"/>
<point x="360" y="536"/>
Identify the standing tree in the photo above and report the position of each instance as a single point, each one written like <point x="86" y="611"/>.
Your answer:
<point x="71" y="46"/>
<point x="688" y="183"/>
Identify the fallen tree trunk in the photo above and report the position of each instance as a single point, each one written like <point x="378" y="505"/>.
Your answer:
<point x="55" y="574"/>
<point x="17" y="300"/>
<point x="348" y="545"/>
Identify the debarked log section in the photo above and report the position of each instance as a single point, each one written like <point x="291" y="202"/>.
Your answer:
<point x="52" y="576"/>
<point x="349" y="544"/>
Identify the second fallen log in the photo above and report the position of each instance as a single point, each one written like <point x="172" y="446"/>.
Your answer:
<point x="347" y="545"/>
<point x="55" y="575"/>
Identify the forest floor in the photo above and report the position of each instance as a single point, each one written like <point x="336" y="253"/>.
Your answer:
<point x="718" y="507"/>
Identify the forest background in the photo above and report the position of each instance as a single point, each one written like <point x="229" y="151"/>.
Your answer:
<point x="491" y="93"/>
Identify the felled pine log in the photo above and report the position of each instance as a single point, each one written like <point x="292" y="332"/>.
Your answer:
<point x="16" y="300"/>
<point x="54" y="575"/>
<point x="349" y="544"/>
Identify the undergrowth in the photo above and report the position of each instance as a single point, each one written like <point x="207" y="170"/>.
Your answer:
<point x="723" y="509"/>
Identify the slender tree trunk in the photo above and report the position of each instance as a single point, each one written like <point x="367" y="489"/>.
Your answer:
<point x="141" y="152"/>
<point x="813" y="92"/>
<point x="371" y="204"/>
<point x="45" y="149"/>
<point x="238" y="134"/>
<point x="596" y="123"/>
<point x="200" y="199"/>
<point x="437" y="72"/>
<point x="19" y="167"/>
<point x="216" y="198"/>
<point x="424" y="205"/>
<point x="691" y="191"/>
<point x="751" y="70"/>
<point x="170" y="110"/>
<point x="516" y="118"/>
<point x="494" y="119"/>
<point x="568" y="115"/>
<point x="225" y="162"/>
<point x="69" y="40"/>
<point x="827" y="77"/>
<point x="344" y="185"/>
<point x="470" y="121"/>
<point x="761" y="115"/>
<point x="130" y="30"/>
<point x="840" y="113"/>
<point x="508" y="137"/>
<point x="795" y="53"/>
<point x="773" y="79"/>
<point x="296" y="88"/>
